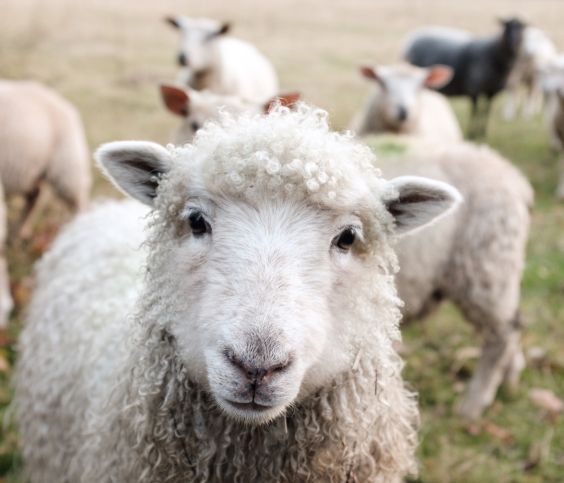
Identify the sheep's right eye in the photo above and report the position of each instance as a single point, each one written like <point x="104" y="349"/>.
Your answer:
<point x="198" y="223"/>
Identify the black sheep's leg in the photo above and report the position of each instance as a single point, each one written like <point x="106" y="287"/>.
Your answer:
<point x="474" y="114"/>
<point x="485" y="116"/>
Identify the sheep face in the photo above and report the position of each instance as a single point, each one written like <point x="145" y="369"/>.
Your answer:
<point x="196" y="107"/>
<point x="271" y="272"/>
<point x="400" y="90"/>
<point x="197" y="41"/>
<point x="512" y="36"/>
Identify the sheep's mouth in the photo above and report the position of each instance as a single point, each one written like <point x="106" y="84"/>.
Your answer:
<point x="250" y="406"/>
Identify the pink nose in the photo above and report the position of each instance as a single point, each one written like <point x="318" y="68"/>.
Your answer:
<point x="256" y="374"/>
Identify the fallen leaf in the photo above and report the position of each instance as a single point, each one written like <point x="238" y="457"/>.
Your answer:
<point x="21" y="291"/>
<point x="546" y="399"/>
<point x="41" y="242"/>
<point x="474" y="429"/>
<point x="498" y="432"/>
<point x="4" y="364"/>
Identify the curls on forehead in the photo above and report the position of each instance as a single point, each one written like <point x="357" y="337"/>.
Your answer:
<point x="287" y="154"/>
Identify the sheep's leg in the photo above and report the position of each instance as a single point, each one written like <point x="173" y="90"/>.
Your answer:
<point x="533" y="104"/>
<point x="510" y="107"/>
<point x="560" y="188"/>
<point x="484" y="117"/>
<point x="473" y="118"/>
<point x="6" y="302"/>
<point x="24" y="226"/>
<point x="499" y="361"/>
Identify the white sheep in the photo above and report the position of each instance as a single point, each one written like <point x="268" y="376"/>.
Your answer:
<point x="259" y="345"/>
<point x="224" y="65"/>
<point x="536" y="54"/>
<point x="400" y="103"/>
<point x="474" y="257"/>
<point x="196" y="107"/>
<point x="41" y="140"/>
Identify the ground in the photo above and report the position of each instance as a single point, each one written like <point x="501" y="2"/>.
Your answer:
<point x="107" y="57"/>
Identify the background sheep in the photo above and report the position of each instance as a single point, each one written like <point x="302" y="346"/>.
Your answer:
<point x="535" y="55"/>
<point x="287" y="318"/>
<point x="474" y="257"/>
<point x="41" y="139"/>
<point x="222" y="64"/>
<point x="557" y="128"/>
<point x="197" y="107"/>
<point x="401" y="104"/>
<point x="481" y="66"/>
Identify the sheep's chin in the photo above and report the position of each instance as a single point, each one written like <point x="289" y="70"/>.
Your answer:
<point x="251" y="413"/>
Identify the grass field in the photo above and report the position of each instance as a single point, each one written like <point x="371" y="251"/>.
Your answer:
<point x="106" y="57"/>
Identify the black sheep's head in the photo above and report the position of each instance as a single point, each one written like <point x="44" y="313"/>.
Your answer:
<point x="512" y="36"/>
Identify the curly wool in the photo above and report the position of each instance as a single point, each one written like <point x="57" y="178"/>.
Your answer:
<point x="154" y="423"/>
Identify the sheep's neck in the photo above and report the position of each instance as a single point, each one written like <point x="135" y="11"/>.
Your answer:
<point x="333" y="436"/>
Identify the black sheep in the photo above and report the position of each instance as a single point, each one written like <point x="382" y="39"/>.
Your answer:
<point x="481" y="66"/>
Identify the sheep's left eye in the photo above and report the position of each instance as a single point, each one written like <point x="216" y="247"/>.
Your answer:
<point x="345" y="240"/>
<point x="198" y="223"/>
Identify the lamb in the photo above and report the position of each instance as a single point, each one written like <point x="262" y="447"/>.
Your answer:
<point x="535" y="57"/>
<point x="41" y="140"/>
<point x="259" y="344"/>
<point x="401" y="104"/>
<point x="481" y="66"/>
<point x="224" y="65"/>
<point x="475" y="257"/>
<point x="197" y="107"/>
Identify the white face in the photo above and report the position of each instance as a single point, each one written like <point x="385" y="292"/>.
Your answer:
<point x="196" y="43"/>
<point x="400" y="95"/>
<point x="270" y="288"/>
<point x="258" y="287"/>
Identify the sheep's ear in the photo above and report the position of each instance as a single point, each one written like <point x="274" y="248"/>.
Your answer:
<point x="438" y="76"/>
<point x="135" y="167"/>
<point x="369" y="72"/>
<point x="174" y="22"/>
<point x="284" y="99"/>
<point x="420" y="201"/>
<point x="176" y="99"/>
<point x="224" y="29"/>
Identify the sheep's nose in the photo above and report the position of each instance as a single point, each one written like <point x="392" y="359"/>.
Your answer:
<point x="182" y="59"/>
<point x="402" y="113"/>
<point x="256" y="374"/>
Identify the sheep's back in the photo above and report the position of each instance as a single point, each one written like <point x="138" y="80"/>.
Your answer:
<point x="75" y="332"/>
<point x="27" y="136"/>
<point x="41" y="136"/>
<point x="476" y="254"/>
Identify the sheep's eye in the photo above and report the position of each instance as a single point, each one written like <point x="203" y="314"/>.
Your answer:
<point x="198" y="223"/>
<point x="195" y="126"/>
<point x="345" y="240"/>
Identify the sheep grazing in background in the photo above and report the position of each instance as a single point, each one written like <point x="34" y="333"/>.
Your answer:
<point x="474" y="258"/>
<point x="481" y="66"/>
<point x="535" y="57"/>
<point x="41" y="140"/>
<point x="261" y="342"/>
<point x="401" y="103"/>
<point x="552" y="82"/>
<point x="557" y="134"/>
<point x="197" y="107"/>
<point x="224" y="65"/>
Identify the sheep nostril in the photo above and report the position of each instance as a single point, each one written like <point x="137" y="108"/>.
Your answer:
<point x="182" y="60"/>
<point x="402" y="113"/>
<point x="255" y="373"/>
